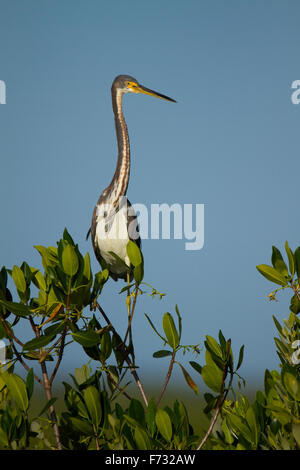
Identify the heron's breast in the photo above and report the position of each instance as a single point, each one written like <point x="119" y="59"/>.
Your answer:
<point x="112" y="236"/>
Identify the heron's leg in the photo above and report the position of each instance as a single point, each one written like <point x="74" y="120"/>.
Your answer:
<point x="130" y="315"/>
<point x="128" y="302"/>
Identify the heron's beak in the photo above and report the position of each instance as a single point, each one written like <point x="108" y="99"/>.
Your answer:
<point x="147" y="91"/>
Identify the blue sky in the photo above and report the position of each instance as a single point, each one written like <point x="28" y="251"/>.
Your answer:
<point x="230" y="143"/>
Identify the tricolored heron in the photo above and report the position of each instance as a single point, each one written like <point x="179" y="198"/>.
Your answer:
<point x="114" y="221"/>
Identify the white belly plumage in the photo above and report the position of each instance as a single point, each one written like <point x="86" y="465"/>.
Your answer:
<point x="112" y="236"/>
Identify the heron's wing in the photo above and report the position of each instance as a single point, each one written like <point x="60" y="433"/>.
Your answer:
<point x="88" y="234"/>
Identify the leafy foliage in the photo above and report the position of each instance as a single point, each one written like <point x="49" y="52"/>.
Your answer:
<point x="61" y="304"/>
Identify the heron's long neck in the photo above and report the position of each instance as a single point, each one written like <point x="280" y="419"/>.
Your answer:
<point x="119" y="183"/>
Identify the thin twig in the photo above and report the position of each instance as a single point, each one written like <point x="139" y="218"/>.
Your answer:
<point x="62" y="343"/>
<point x="296" y="291"/>
<point x="97" y="442"/>
<point x="26" y="367"/>
<point x="47" y="388"/>
<point x="128" y="303"/>
<point x="121" y="348"/>
<point x="168" y="376"/>
<point x="114" y="383"/>
<point x="60" y="356"/>
<point x="220" y="402"/>
<point x="111" y="379"/>
<point x="10" y="332"/>
<point x="131" y="315"/>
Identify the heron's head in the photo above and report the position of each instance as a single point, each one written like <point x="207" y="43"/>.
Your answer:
<point x="128" y="84"/>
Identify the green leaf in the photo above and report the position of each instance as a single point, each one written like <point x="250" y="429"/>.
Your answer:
<point x="38" y="343"/>
<point x="93" y="404"/>
<point x="55" y="329"/>
<point x="162" y="353"/>
<point x="67" y="237"/>
<point x="81" y="425"/>
<point x="136" y="411"/>
<point x="239" y="426"/>
<point x="40" y="281"/>
<point x="6" y="296"/>
<point x="292" y="384"/>
<point x="295" y="304"/>
<point x="142" y="440"/>
<point x="212" y="376"/>
<point x="106" y="345"/>
<point x="53" y="255"/>
<point x="277" y="324"/>
<point x="17" y="388"/>
<point x="278" y="262"/>
<point x="3" y="278"/>
<point x="196" y="366"/>
<point x="47" y="406"/>
<point x="164" y="424"/>
<point x="170" y="330"/>
<point x="150" y="416"/>
<point x="189" y="379"/>
<point x="297" y="261"/>
<point x="253" y="424"/>
<point x="86" y="338"/>
<point x="179" y="320"/>
<point x="134" y="253"/>
<point x="228" y="436"/>
<point x="50" y="271"/>
<point x="70" y="260"/>
<point x="271" y="274"/>
<point x="82" y="374"/>
<point x="290" y="256"/>
<point x="28" y="273"/>
<point x="30" y="383"/>
<point x="99" y="280"/>
<point x="296" y="432"/>
<point x="120" y="261"/>
<point x="34" y="356"/>
<point x="133" y="423"/>
<point x="19" y="279"/>
<point x="241" y="357"/>
<point x="18" y="309"/>
<point x="127" y="288"/>
<point x="213" y="346"/>
<point x="105" y="275"/>
<point x="223" y="343"/>
<point x="138" y="273"/>
<point x="93" y="352"/>
<point x="47" y="258"/>
<point x="181" y="415"/>
<point x="87" y="272"/>
<point x="153" y="327"/>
